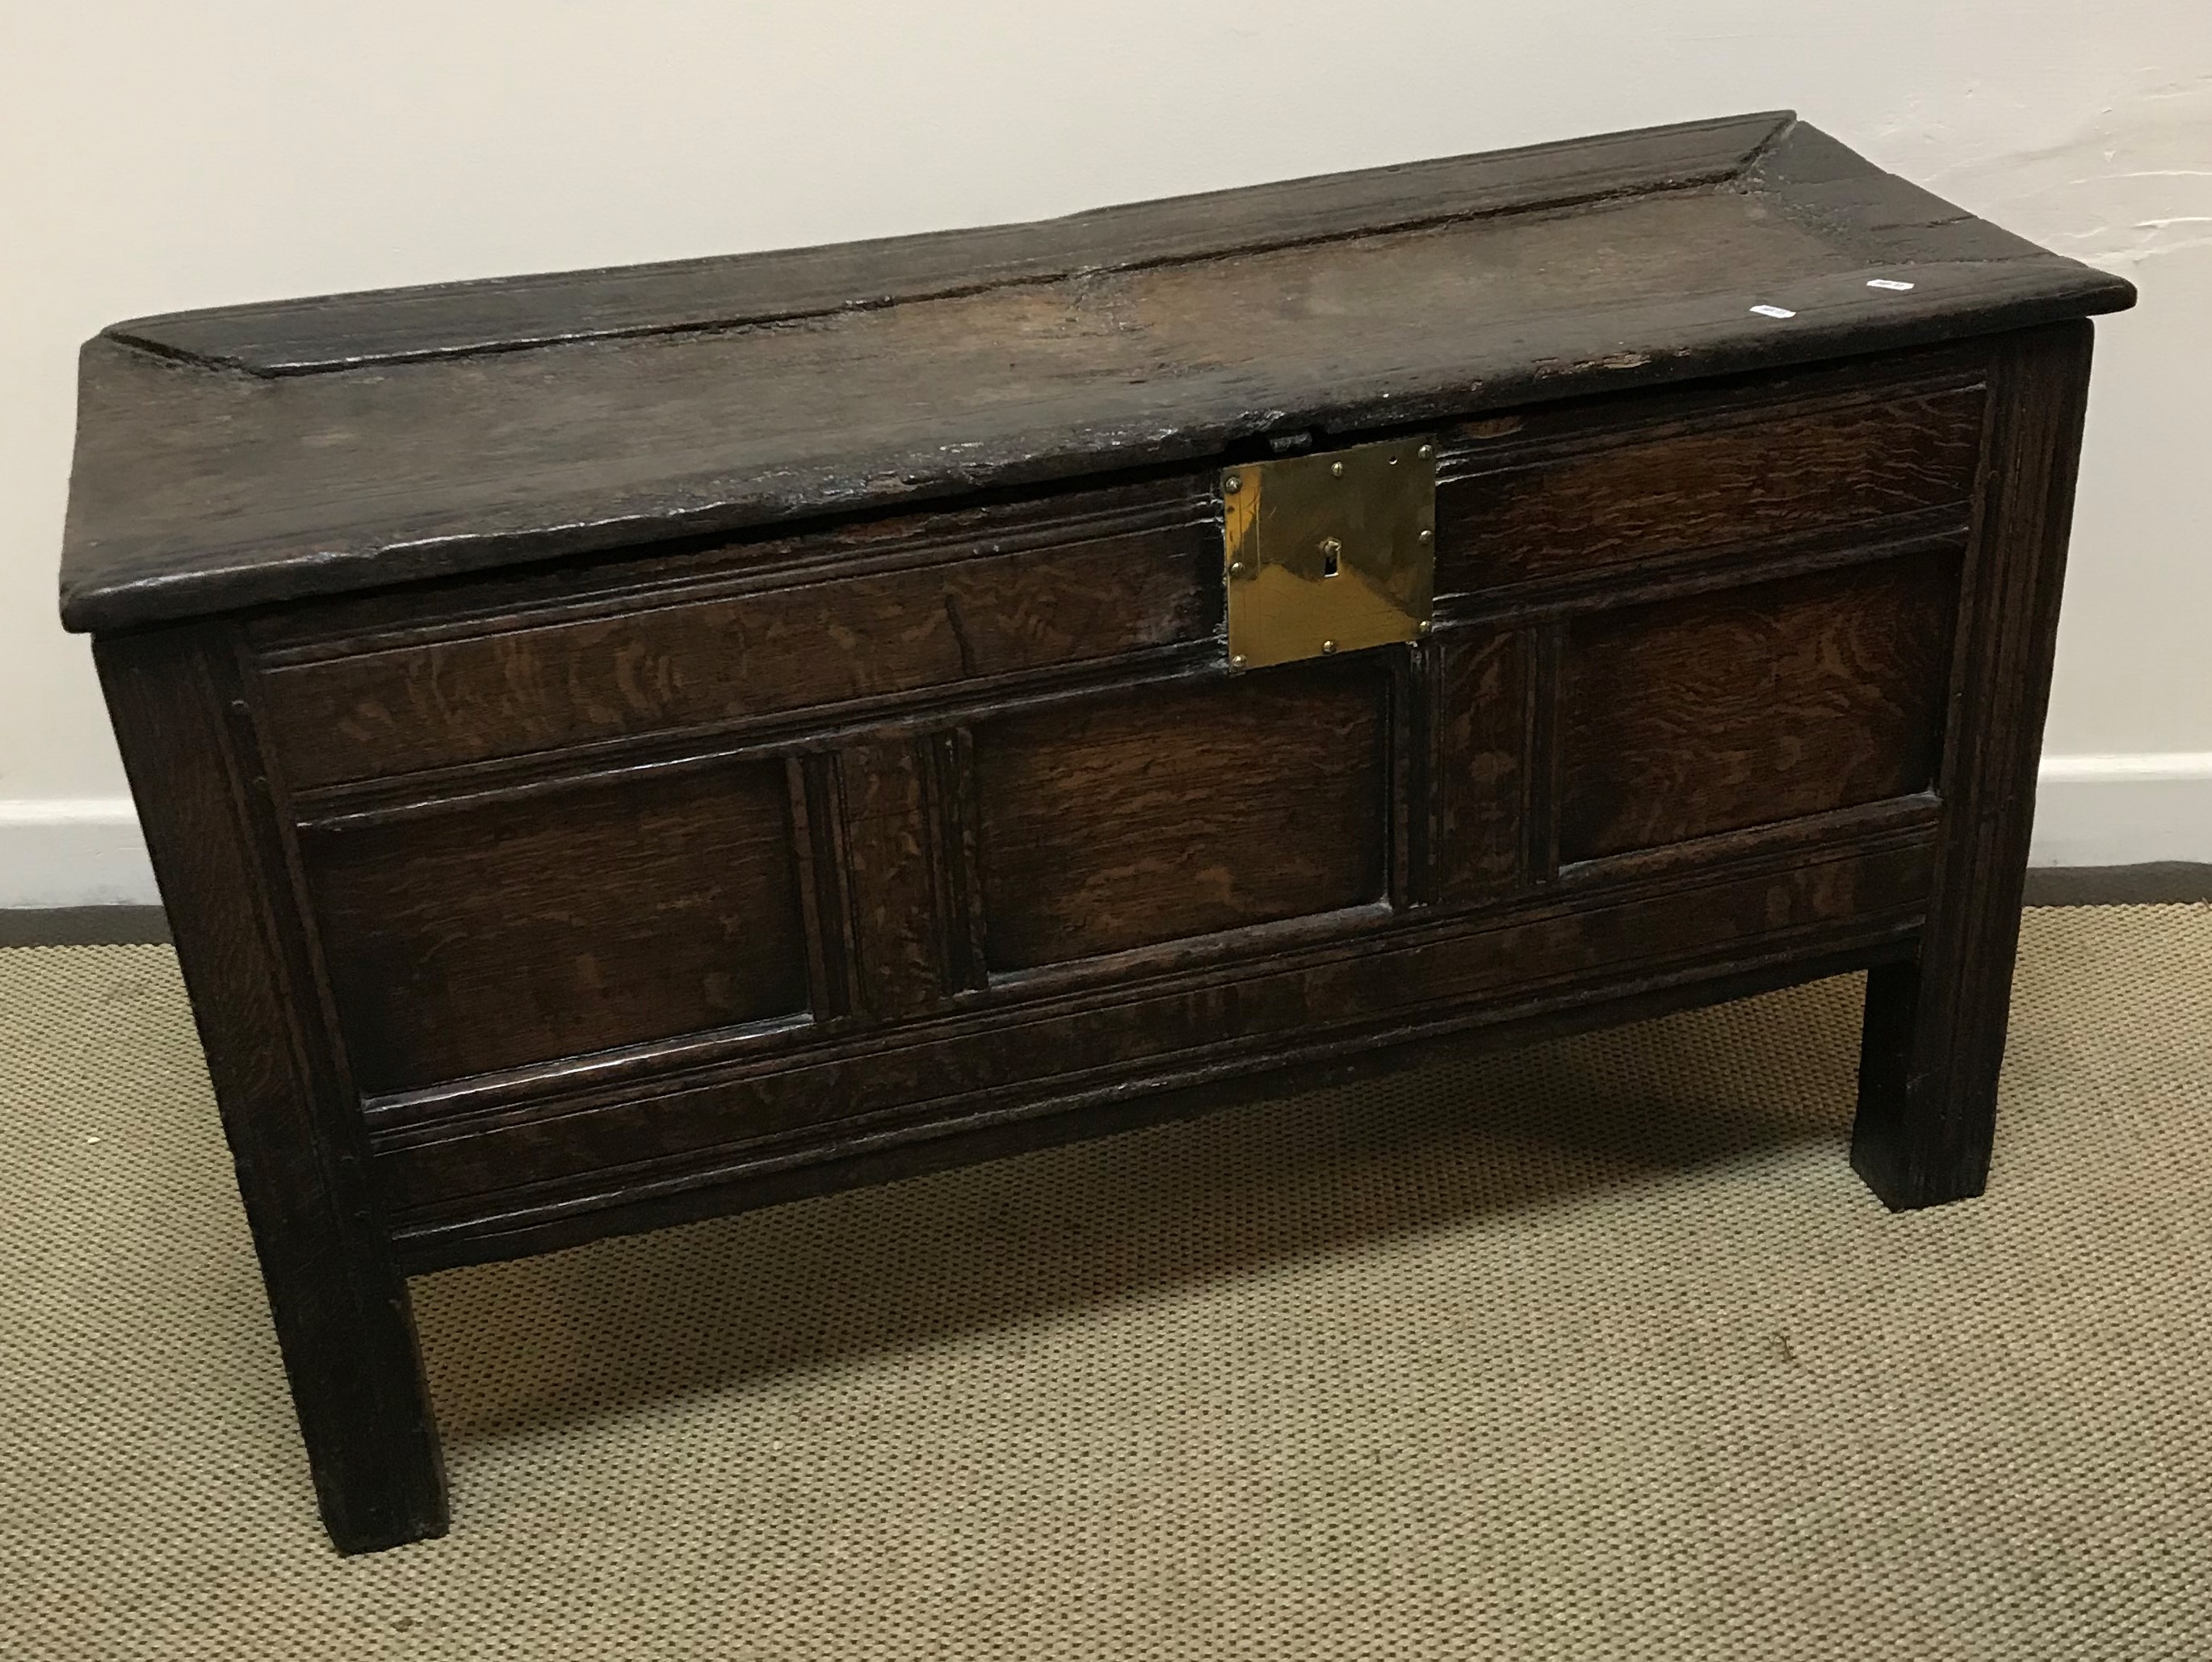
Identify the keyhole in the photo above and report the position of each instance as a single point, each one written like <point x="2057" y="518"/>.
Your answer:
<point x="1331" y="551"/>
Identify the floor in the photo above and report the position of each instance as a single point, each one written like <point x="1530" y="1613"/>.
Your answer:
<point x="1594" y="1351"/>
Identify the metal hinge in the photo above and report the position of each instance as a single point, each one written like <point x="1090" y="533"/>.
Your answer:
<point x="1330" y="552"/>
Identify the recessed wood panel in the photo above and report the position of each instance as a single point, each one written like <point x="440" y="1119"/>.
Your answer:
<point x="1641" y="499"/>
<point x="1751" y="705"/>
<point x="561" y="923"/>
<point x="647" y="668"/>
<point x="1153" y="815"/>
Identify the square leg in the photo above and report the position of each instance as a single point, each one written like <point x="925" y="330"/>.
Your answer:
<point x="289" y="1108"/>
<point x="1933" y="1038"/>
<point x="1928" y="1078"/>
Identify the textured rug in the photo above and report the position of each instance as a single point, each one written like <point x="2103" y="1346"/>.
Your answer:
<point x="1596" y="1350"/>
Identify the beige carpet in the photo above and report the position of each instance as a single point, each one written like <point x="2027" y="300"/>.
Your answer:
<point x="1597" y="1350"/>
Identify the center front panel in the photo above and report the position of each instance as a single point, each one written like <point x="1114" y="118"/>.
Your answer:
<point x="1153" y="814"/>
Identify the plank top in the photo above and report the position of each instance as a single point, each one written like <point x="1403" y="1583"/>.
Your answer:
<point x="250" y="454"/>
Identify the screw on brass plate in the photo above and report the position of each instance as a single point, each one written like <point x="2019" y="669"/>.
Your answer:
<point x="1236" y="569"/>
<point x="1232" y="484"/>
<point x="1337" y="468"/>
<point x="1236" y="661"/>
<point x="1428" y="537"/>
<point x="1427" y="450"/>
<point x="1328" y="646"/>
<point x="1423" y="627"/>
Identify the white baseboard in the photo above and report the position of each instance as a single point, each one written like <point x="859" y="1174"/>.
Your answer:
<point x="74" y="851"/>
<point x="2127" y="809"/>
<point x="2090" y="810"/>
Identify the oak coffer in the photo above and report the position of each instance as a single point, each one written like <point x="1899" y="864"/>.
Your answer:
<point x="628" y="745"/>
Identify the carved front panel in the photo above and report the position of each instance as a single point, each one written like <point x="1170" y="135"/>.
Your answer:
<point x="830" y="853"/>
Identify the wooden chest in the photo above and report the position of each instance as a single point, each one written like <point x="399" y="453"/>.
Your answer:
<point x="624" y="746"/>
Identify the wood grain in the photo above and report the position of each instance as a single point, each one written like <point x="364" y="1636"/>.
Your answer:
<point x="1637" y="501"/>
<point x="1120" y="822"/>
<point x="1933" y="1039"/>
<point x="453" y="1181"/>
<point x="672" y="741"/>
<point x="197" y="488"/>
<point x="1481" y="693"/>
<point x="407" y="324"/>
<point x="893" y="861"/>
<point x="636" y="668"/>
<point x="1753" y="704"/>
<point x="342" y="1320"/>
<point x="1081" y="1112"/>
<point x="637" y="906"/>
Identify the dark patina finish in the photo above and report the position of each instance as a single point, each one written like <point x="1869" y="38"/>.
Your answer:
<point x="630" y="745"/>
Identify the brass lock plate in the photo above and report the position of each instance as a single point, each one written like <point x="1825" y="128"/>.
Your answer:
<point x="1329" y="552"/>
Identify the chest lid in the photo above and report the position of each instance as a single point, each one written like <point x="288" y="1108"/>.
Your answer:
<point x="267" y="453"/>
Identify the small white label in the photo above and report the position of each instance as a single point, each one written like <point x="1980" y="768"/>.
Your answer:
<point x="1773" y="310"/>
<point x="1887" y="282"/>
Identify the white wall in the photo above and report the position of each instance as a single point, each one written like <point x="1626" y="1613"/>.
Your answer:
<point x="155" y="156"/>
